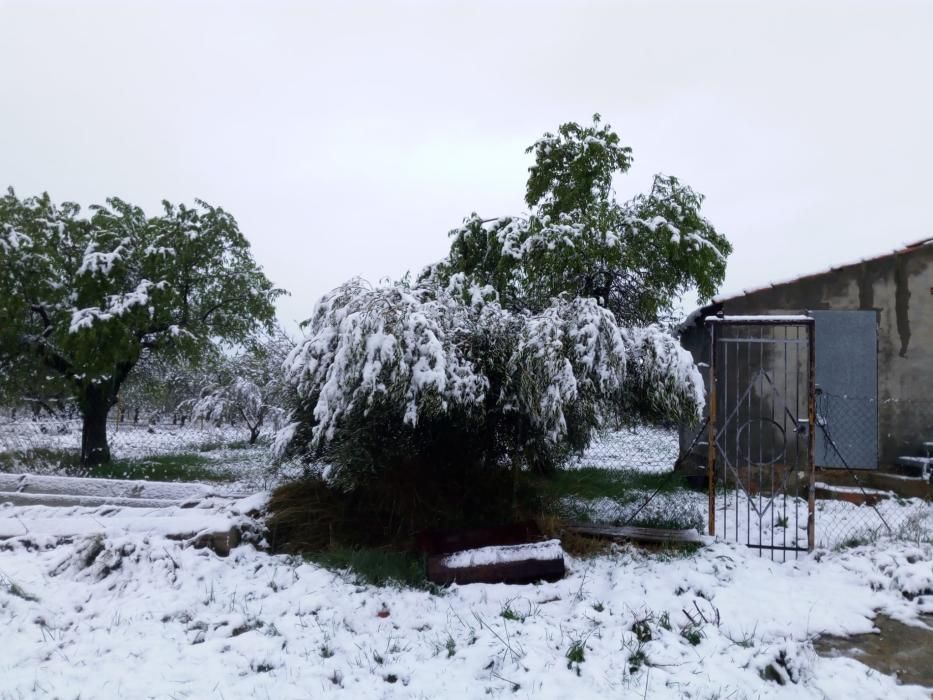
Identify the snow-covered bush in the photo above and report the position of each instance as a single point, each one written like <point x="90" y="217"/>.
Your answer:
<point x="507" y="355"/>
<point x="663" y="385"/>
<point x="423" y="385"/>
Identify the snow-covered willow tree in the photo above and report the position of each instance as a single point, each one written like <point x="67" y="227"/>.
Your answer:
<point x="81" y="298"/>
<point x="431" y="381"/>
<point x="636" y="257"/>
<point x="249" y="387"/>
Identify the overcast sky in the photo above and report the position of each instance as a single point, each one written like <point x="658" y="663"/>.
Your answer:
<point x="349" y="137"/>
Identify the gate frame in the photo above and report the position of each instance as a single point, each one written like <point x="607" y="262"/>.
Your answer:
<point x="714" y="323"/>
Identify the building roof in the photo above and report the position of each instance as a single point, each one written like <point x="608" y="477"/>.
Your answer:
<point x="897" y="251"/>
<point x="718" y="300"/>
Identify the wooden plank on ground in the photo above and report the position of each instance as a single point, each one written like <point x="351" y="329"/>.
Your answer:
<point x="645" y="535"/>
<point x="522" y="563"/>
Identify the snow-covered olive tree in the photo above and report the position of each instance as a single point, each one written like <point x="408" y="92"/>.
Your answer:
<point x="636" y="258"/>
<point x="434" y="381"/>
<point x="82" y="297"/>
<point x="249" y="387"/>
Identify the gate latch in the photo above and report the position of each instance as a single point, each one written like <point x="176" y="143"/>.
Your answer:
<point x="803" y="427"/>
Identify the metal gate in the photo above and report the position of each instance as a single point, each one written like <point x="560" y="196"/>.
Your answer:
<point x="761" y="432"/>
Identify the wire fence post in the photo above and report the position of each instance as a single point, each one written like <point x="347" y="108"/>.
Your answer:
<point x="811" y="436"/>
<point x="711" y="447"/>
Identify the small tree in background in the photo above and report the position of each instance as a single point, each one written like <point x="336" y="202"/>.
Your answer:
<point x="162" y="386"/>
<point x="82" y="298"/>
<point x="249" y="387"/>
<point x="636" y="258"/>
<point x="31" y="389"/>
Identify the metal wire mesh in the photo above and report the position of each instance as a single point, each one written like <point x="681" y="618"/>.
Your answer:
<point x="854" y="504"/>
<point x="150" y="446"/>
<point x="643" y="448"/>
<point x="857" y="502"/>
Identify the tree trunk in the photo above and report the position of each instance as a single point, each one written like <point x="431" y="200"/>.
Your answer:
<point x="255" y="428"/>
<point x="95" y="405"/>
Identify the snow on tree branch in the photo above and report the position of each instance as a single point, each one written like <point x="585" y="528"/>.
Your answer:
<point x="385" y="344"/>
<point x="663" y="376"/>
<point x="423" y="356"/>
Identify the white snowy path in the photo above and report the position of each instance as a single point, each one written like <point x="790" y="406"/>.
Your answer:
<point x="150" y="618"/>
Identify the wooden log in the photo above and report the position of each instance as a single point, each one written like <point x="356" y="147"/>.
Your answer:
<point x="523" y="563"/>
<point x="445" y="542"/>
<point x="646" y="535"/>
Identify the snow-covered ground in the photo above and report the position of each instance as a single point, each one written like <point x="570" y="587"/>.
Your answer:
<point x="134" y="613"/>
<point x="127" y="441"/>
<point x="644" y="449"/>
<point x="647" y="448"/>
<point x="35" y="447"/>
<point x="106" y="602"/>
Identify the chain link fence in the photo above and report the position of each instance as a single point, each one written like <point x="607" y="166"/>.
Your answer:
<point x="872" y="484"/>
<point x="633" y="477"/>
<point x="657" y="473"/>
<point x="644" y="448"/>
<point x="867" y="486"/>
<point x="142" y="445"/>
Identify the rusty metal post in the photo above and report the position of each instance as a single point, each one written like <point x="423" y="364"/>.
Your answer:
<point x="811" y="434"/>
<point x="711" y="448"/>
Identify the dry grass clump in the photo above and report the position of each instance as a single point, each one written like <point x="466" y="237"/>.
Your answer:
<point x="310" y="515"/>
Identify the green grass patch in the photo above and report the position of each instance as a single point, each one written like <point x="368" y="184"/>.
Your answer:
<point x="170" y="467"/>
<point x="174" y="467"/>
<point x="375" y="566"/>
<point x="237" y="445"/>
<point x="569" y="494"/>
<point x="620" y="485"/>
<point x="36" y="459"/>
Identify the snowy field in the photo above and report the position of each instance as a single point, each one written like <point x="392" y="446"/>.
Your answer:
<point x="646" y="449"/>
<point x="135" y="613"/>
<point x="127" y="441"/>
<point x="37" y="447"/>
<point x="123" y="607"/>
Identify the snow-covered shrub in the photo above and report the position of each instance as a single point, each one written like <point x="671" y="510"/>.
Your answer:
<point x="663" y="385"/>
<point x="441" y="388"/>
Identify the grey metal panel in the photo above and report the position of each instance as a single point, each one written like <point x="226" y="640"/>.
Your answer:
<point x="847" y="379"/>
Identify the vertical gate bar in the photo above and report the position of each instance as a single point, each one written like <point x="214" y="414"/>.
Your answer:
<point x="711" y="448"/>
<point x="735" y="458"/>
<point x="811" y="434"/>
<point x="748" y="443"/>
<point x="797" y="444"/>
<point x="786" y="460"/>
<point x="761" y="368"/>
<point x="724" y="373"/>
<point x="784" y="447"/>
